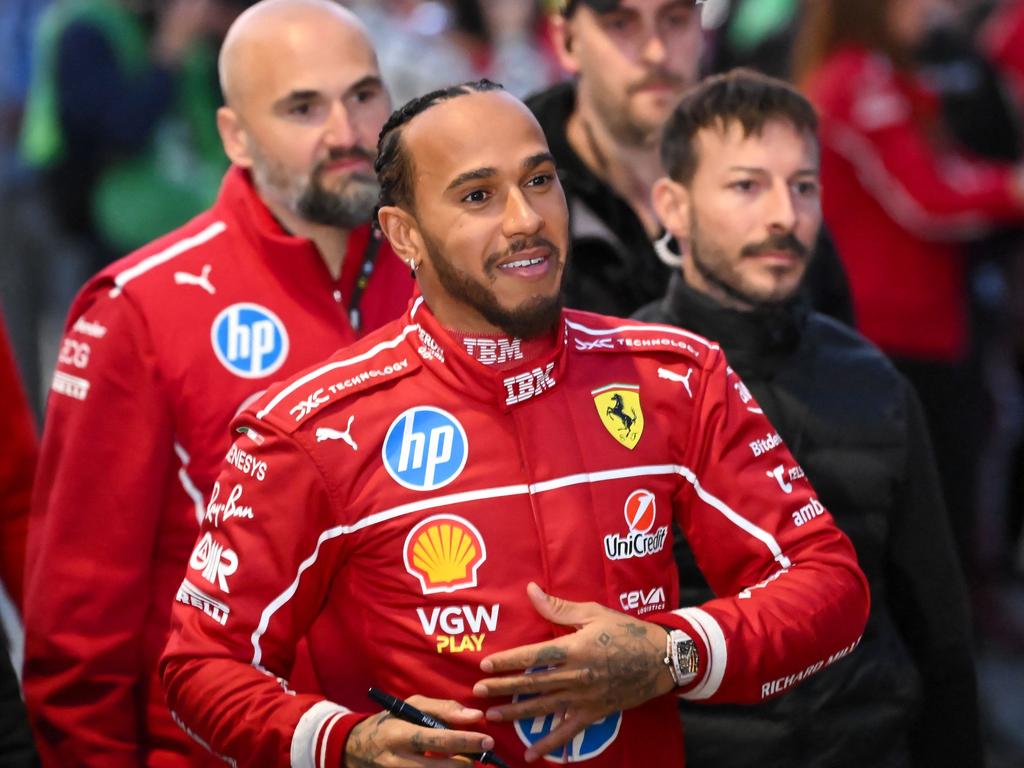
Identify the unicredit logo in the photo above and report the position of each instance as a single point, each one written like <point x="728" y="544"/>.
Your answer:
<point x="643" y="538"/>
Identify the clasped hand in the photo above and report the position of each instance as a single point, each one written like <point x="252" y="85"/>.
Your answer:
<point x="610" y="663"/>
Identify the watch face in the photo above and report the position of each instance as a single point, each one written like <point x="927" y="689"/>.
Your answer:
<point x="689" y="661"/>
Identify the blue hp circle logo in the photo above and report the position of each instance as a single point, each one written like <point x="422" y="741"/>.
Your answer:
<point x="425" y="448"/>
<point x="250" y="340"/>
<point x="585" y="745"/>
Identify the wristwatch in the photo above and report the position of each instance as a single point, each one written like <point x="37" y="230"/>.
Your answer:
<point x="681" y="657"/>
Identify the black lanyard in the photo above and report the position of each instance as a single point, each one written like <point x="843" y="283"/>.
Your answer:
<point x="355" y="318"/>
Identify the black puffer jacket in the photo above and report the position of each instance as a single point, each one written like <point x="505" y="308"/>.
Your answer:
<point x="907" y="696"/>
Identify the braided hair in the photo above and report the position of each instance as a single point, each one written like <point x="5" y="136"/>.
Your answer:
<point x="393" y="165"/>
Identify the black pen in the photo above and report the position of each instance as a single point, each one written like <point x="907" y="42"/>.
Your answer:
<point x="405" y="711"/>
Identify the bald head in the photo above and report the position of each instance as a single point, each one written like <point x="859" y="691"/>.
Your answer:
<point x="279" y="33"/>
<point x="305" y="104"/>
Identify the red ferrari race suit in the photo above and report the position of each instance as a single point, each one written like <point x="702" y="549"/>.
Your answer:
<point x="161" y="351"/>
<point x="410" y="493"/>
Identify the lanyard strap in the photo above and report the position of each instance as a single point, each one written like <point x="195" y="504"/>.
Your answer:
<point x="355" y="318"/>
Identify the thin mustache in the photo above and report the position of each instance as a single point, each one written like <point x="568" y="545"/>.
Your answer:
<point x="657" y="78"/>
<point x="782" y="243"/>
<point x="334" y="156"/>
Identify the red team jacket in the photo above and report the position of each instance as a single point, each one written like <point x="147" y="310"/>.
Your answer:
<point x="17" y="462"/>
<point x="1002" y="40"/>
<point x="161" y="351"/>
<point x="899" y="206"/>
<point x="395" y="501"/>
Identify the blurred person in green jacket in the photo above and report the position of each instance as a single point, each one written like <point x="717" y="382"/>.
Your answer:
<point x="120" y="116"/>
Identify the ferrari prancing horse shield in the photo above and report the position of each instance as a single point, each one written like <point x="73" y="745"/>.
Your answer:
<point x="618" y="405"/>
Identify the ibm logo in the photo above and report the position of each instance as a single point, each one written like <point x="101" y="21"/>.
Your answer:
<point x="425" y="448"/>
<point x="249" y="340"/>
<point x="526" y="385"/>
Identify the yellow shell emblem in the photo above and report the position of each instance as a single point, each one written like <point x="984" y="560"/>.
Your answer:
<point x="618" y="405"/>
<point x="444" y="553"/>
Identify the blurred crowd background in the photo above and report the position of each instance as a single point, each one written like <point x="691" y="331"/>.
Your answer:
<point x="133" y="152"/>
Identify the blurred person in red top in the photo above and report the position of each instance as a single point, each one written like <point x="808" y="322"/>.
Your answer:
<point x="901" y="202"/>
<point x="164" y="347"/>
<point x="17" y="464"/>
<point x="1002" y="39"/>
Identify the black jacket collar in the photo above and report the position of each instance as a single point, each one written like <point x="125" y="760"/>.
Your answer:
<point x="756" y="342"/>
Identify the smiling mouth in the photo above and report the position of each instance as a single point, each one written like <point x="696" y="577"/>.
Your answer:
<point x="522" y="263"/>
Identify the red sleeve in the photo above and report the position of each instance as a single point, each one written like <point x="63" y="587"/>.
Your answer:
<point x="17" y="465"/>
<point x="791" y="597"/>
<point x="105" y="455"/>
<point x="259" y="573"/>
<point x="874" y="121"/>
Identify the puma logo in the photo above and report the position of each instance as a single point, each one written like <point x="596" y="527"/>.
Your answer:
<point x="326" y="433"/>
<point x="664" y="373"/>
<point x="201" y="280"/>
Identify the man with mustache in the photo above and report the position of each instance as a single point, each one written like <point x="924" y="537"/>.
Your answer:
<point x="162" y="349"/>
<point x="631" y="61"/>
<point x="477" y="516"/>
<point x="742" y="192"/>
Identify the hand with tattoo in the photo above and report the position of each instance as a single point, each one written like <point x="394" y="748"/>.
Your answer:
<point x="612" y="662"/>
<point x="384" y="740"/>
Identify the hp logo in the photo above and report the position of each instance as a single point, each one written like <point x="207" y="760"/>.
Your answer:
<point x="425" y="448"/>
<point x="250" y="340"/>
<point x="585" y="745"/>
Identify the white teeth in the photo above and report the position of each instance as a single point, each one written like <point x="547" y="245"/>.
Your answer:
<point x="523" y="263"/>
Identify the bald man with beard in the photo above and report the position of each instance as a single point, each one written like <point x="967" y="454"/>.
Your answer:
<point x="161" y="350"/>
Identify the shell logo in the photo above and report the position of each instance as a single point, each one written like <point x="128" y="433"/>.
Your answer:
<point x="640" y="511"/>
<point x="444" y="553"/>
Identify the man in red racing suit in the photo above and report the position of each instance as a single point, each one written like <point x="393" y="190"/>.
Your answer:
<point x="416" y="482"/>
<point x="161" y="351"/>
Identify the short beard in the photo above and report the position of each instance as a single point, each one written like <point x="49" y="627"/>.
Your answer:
<point x="616" y="117"/>
<point x="350" y="206"/>
<point x="720" y="278"/>
<point x="534" y="318"/>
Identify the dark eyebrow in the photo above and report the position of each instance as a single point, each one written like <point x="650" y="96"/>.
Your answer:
<point x="478" y="174"/>
<point x="307" y="94"/>
<point x="754" y="169"/>
<point x="295" y="96"/>
<point x="369" y="81"/>
<point x="475" y="175"/>
<point x="539" y="159"/>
